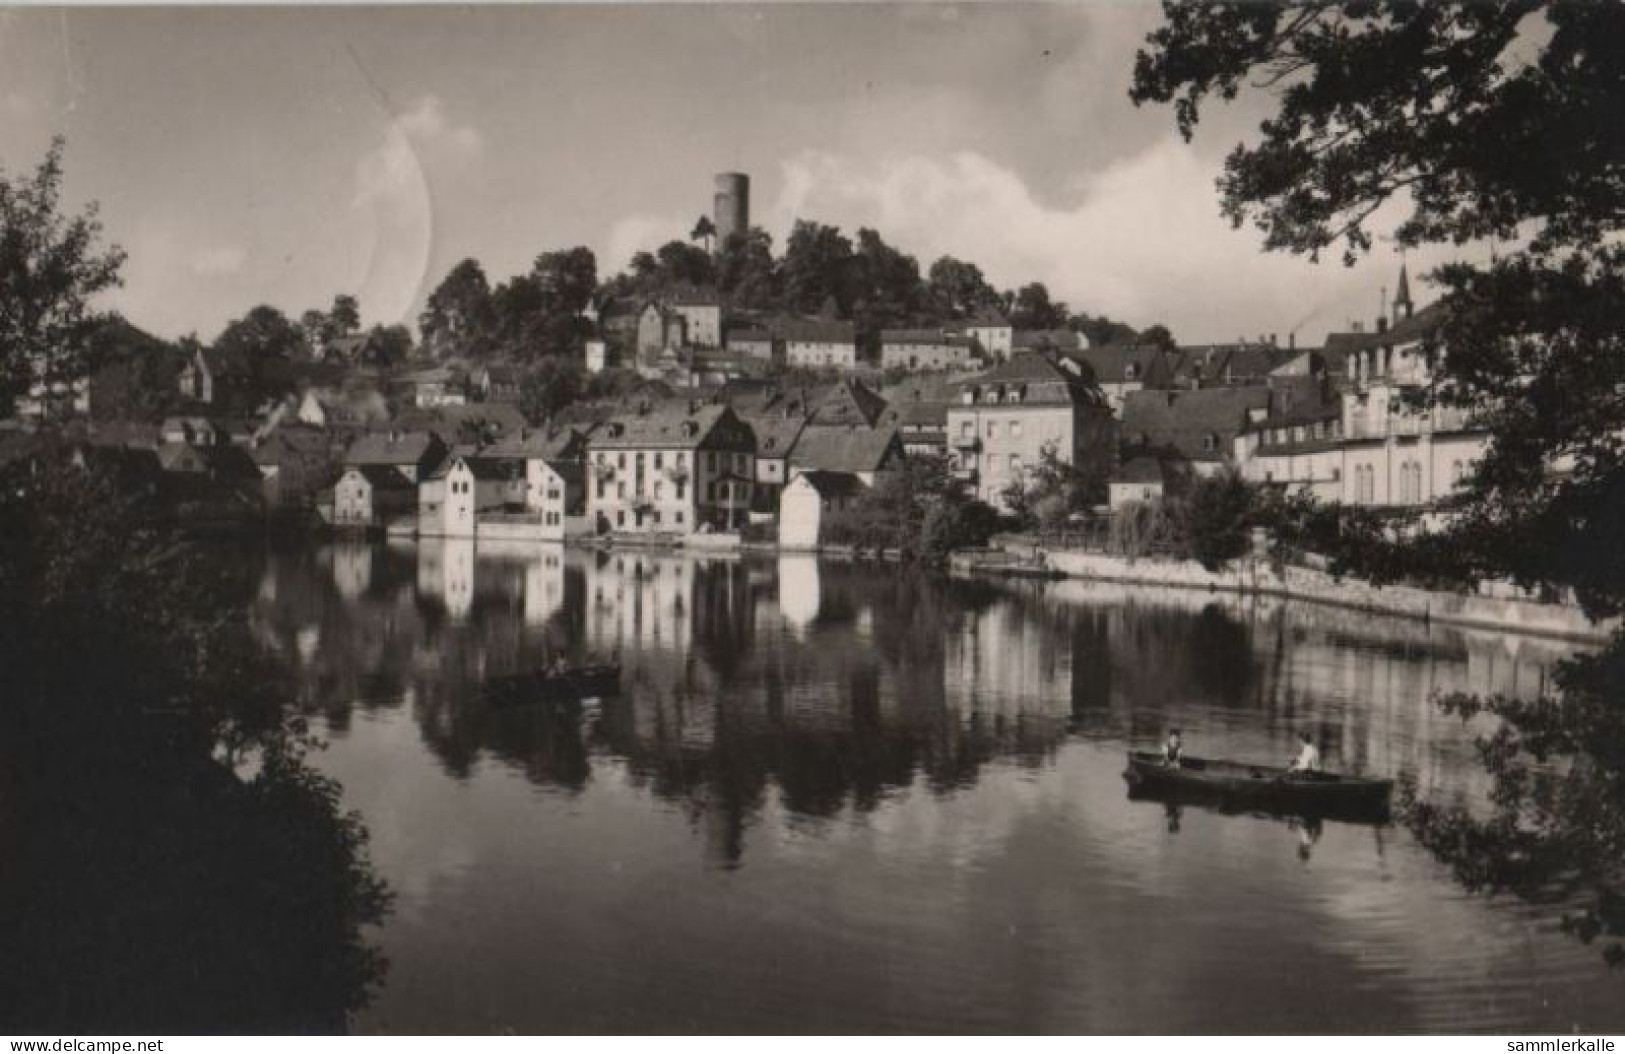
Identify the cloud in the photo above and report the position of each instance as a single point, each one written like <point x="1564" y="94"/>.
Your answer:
<point x="394" y="198"/>
<point x="1142" y="240"/>
<point x="640" y="232"/>
<point x="220" y="260"/>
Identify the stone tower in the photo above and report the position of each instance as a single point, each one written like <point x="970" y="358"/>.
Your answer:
<point x="731" y="207"/>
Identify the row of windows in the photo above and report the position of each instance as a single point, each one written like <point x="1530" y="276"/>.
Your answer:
<point x="967" y="429"/>
<point x="679" y="460"/>
<point x="654" y="518"/>
<point x="659" y="490"/>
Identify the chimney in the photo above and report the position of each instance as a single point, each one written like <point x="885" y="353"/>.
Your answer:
<point x="1382" y="324"/>
<point x="1275" y="341"/>
<point x="1292" y="341"/>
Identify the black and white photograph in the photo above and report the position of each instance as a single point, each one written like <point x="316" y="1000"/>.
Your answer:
<point x="799" y="519"/>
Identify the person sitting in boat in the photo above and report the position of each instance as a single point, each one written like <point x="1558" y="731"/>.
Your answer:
<point x="1171" y="750"/>
<point x="1308" y="759"/>
<point x="559" y="667"/>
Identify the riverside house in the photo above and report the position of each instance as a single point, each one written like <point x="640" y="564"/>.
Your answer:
<point x="1001" y="422"/>
<point x="674" y="469"/>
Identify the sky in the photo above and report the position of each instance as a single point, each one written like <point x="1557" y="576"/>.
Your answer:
<point x="285" y="155"/>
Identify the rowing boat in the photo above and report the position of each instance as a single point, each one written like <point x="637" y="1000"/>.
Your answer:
<point x="1239" y="786"/>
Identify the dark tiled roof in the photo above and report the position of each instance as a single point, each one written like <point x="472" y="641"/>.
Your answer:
<point x="383" y="477"/>
<point x="833" y="484"/>
<point x="1184" y="420"/>
<point x="1120" y="363"/>
<point x="1042" y="380"/>
<point x="818" y="331"/>
<point x="849" y="402"/>
<point x="670" y="427"/>
<point x="1059" y="339"/>
<point x="775" y="433"/>
<point x="1142" y="469"/>
<point x="545" y="444"/>
<point x="296" y="440"/>
<point x="391" y="448"/>
<point x="853" y="449"/>
<point x="933" y="337"/>
<point x="1418" y="326"/>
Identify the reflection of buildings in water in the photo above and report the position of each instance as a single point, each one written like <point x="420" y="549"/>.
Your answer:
<point x="1364" y="684"/>
<point x="544" y="585"/>
<point x="1006" y="660"/>
<point x="352" y="568"/>
<point x="308" y="643"/>
<point x="798" y="589"/>
<point x="638" y="602"/>
<point x="446" y="574"/>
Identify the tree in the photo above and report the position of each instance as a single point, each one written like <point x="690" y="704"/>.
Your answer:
<point x="52" y="266"/>
<point x="1431" y="108"/>
<point x="747" y="275"/>
<point x="885" y="288"/>
<point x="567" y="278"/>
<point x="548" y="387"/>
<point x="817" y="268"/>
<point x="456" y="319"/>
<point x="1439" y="111"/>
<point x="261" y="345"/>
<point x="1052" y="491"/>
<point x="1218" y="512"/>
<point x="1033" y="309"/>
<point x="681" y="264"/>
<point x="344" y="317"/>
<point x="704" y="230"/>
<point x="388" y="345"/>
<point x="1158" y="336"/>
<point x="960" y="290"/>
<point x="165" y="774"/>
<point x="1102" y="331"/>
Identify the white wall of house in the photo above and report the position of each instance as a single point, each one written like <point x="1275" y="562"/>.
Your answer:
<point x="801" y="513"/>
<point x="352" y="499"/>
<point x="821" y="353"/>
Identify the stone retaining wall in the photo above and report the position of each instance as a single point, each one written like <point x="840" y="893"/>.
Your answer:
<point x="1302" y="583"/>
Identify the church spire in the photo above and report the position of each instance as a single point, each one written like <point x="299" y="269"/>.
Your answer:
<point x="1402" y="296"/>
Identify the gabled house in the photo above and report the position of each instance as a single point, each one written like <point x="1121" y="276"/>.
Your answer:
<point x="807" y="502"/>
<point x="1198" y="426"/>
<point x="820" y="344"/>
<point x="371" y="495"/>
<point x="454" y="496"/>
<point x="295" y="461"/>
<point x="1123" y="368"/>
<point x="678" y="468"/>
<point x="994" y="333"/>
<point x="1002" y="423"/>
<point x="850" y="402"/>
<point x="927" y="349"/>
<point x="553" y="476"/>
<point x="868" y="453"/>
<point x="212" y="376"/>
<point x="414" y="454"/>
<point x="749" y="338"/>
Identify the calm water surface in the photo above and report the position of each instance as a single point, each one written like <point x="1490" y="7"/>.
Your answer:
<point x="839" y="797"/>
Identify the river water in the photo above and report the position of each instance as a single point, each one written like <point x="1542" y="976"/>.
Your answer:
<point x="853" y="797"/>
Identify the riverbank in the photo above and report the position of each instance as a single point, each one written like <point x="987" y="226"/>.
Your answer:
<point x="1263" y="578"/>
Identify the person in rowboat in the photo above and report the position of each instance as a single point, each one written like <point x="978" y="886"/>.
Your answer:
<point x="1172" y="749"/>
<point x="1308" y="759"/>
